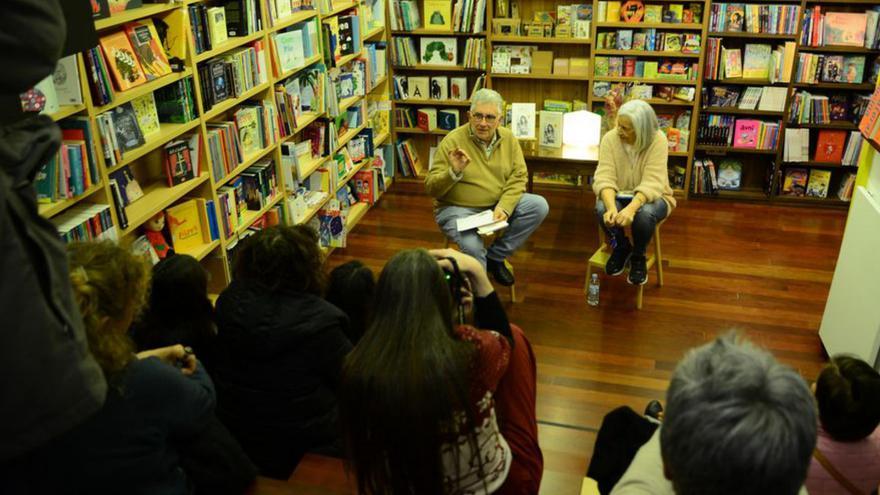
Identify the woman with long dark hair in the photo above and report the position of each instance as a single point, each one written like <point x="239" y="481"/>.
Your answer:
<point x="417" y="396"/>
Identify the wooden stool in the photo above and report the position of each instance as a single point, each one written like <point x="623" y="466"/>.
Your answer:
<point x="507" y="264"/>
<point x="600" y="258"/>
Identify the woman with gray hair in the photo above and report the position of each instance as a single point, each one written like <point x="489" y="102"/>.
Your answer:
<point x="632" y="187"/>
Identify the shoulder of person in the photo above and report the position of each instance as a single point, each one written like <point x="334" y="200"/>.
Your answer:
<point x="148" y="379"/>
<point x="610" y="137"/>
<point x="456" y="135"/>
<point x="660" y="139"/>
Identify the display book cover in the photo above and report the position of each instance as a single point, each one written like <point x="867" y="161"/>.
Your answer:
<point x="745" y="133"/>
<point x="124" y="65"/>
<point x="830" y="146"/>
<point x="188" y="225"/>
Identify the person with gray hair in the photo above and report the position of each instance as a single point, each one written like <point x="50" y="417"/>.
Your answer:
<point x="480" y="166"/>
<point x="632" y="187"/>
<point x="737" y="422"/>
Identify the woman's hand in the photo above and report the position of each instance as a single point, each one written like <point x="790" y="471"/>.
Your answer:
<point x="624" y="217"/>
<point x="469" y="267"/>
<point x="175" y="355"/>
<point x="609" y="217"/>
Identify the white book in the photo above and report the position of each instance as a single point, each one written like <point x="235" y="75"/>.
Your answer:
<point x="492" y="227"/>
<point x="289" y="47"/>
<point x="773" y="99"/>
<point x="475" y="221"/>
<point x="522" y="121"/>
<point x="282" y="8"/>
<point x="550" y="129"/>
<point x="66" y="81"/>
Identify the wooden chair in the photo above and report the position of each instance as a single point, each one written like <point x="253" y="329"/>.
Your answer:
<point x="506" y="263"/>
<point x="600" y="258"/>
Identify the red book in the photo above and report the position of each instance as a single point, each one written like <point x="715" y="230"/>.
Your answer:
<point x="629" y="67"/>
<point x="830" y="146"/>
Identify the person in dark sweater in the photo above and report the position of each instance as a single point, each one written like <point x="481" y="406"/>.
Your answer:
<point x="351" y="289"/>
<point x="155" y="398"/>
<point x="279" y="350"/>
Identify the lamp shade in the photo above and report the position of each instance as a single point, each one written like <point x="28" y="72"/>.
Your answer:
<point x="581" y="128"/>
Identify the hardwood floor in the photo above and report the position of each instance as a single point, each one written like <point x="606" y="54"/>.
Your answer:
<point x="759" y="269"/>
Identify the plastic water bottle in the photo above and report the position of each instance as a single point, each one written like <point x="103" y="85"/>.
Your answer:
<point x="593" y="291"/>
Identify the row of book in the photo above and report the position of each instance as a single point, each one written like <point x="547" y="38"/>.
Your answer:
<point x="403" y="51"/>
<point x="426" y="119"/>
<point x="292" y="47"/>
<point x="807" y="108"/>
<point x="815" y="67"/>
<point x="469" y="16"/>
<point x="841" y="28"/>
<point x="631" y="67"/>
<point x="341" y="36"/>
<point x="726" y="130"/>
<point x="631" y="90"/>
<point x="73" y="169"/>
<point x="125" y="59"/>
<point x="252" y="190"/>
<point x="229" y="144"/>
<point x="233" y="74"/>
<point x="613" y="11"/>
<point x="869" y="123"/>
<point x="831" y="146"/>
<point x="404" y="15"/>
<point x="648" y="40"/>
<point x="127" y="127"/>
<point x="754" y="61"/>
<point x="813" y="183"/>
<point x="375" y="55"/>
<point x="279" y="10"/>
<point x="61" y="88"/>
<point x="474" y="53"/>
<point x="709" y="178"/>
<point x="302" y="93"/>
<point x="754" y="18"/>
<point x="213" y="25"/>
<point x="430" y="88"/>
<point x="765" y="99"/>
<point x="86" y="222"/>
<point x="408" y="162"/>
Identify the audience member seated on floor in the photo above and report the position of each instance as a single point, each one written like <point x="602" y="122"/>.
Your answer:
<point x="279" y="350"/>
<point x="351" y="288"/>
<point x="848" y="395"/>
<point x="736" y="422"/>
<point x="632" y="187"/>
<point x="155" y="398"/>
<point x="416" y="399"/>
<point x="178" y="311"/>
<point x="480" y="166"/>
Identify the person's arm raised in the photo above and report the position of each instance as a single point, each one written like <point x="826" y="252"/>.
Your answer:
<point x="447" y="169"/>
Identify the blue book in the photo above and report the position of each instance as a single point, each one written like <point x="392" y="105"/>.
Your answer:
<point x="212" y="219"/>
<point x="82" y="124"/>
<point x="44" y="182"/>
<point x="74" y="155"/>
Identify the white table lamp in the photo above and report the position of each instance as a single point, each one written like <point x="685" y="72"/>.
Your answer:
<point x="581" y="129"/>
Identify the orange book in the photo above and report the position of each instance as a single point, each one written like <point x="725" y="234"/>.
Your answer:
<point x="145" y="41"/>
<point x="124" y="65"/>
<point x="185" y="224"/>
<point x="830" y="146"/>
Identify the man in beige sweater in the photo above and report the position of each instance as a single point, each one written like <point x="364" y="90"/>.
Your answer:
<point x="480" y="166"/>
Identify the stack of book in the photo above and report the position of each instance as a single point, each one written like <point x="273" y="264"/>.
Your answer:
<point x="403" y="51"/>
<point x="755" y="61"/>
<point x="469" y="16"/>
<point x="86" y="222"/>
<point x="233" y="74"/>
<point x="858" y="29"/>
<point x="814" y="67"/>
<point x="71" y="171"/>
<point x="183" y="159"/>
<point x="408" y="158"/>
<point x="176" y="103"/>
<point x="648" y="40"/>
<point x="674" y="13"/>
<point x="632" y="67"/>
<point x="475" y="53"/>
<point x="404" y="15"/>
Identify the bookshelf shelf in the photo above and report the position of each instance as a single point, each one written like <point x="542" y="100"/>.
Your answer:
<point x="535" y="40"/>
<point x="308" y="62"/>
<point x="838" y="49"/>
<point x="157" y="197"/>
<point x="759" y="36"/>
<point x="813" y="163"/>
<point x="844" y="86"/>
<point x="381" y="138"/>
<point x="345" y="138"/>
<point x="416" y="130"/>
<point x="731" y="149"/>
<point x="350" y="175"/>
<point x="811" y="200"/>
<point x="245" y="164"/>
<point x="355" y="214"/>
<point x="147" y="10"/>
<point x="230" y="44"/>
<point x="670" y="103"/>
<point x="347" y="102"/>
<point x="51" y="209"/>
<point x="379" y="83"/>
<point x="434" y="32"/>
<point x="553" y="77"/>
<point x="311" y="212"/>
<point x="437" y="68"/>
<point x="678" y="153"/>
<point x="338" y="10"/>
<point x="167" y="132"/>
<point x="646" y="53"/>
<point x="851" y="2"/>
<point x="201" y="251"/>
<point x="225" y="105"/>
<point x="676" y="82"/>
<point x="65" y="111"/>
<point x="652" y="25"/>
<point x="830" y="125"/>
<point x="297" y="17"/>
<point x="347" y="58"/>
<point x="741" y="111"/>
<point x="121" y="97"/>
<point x="746" y="81"/>
<point x="374" y="33"/>
<point x="742" y="194"/>
<point x="314" y="165"/>
<point x="442" y="103"/>
<point x="304" y="120"/>
<point x="251" y="216"/>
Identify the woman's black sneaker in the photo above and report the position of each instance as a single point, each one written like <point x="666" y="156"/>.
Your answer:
<point x="619" y="258"/>
<point x="638" y="270"/>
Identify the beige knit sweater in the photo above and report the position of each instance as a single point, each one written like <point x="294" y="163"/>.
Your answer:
<point x="648" y="175"/>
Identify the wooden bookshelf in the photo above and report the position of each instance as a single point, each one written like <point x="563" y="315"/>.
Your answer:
<point x="745" y="194"/>
<point x="752" y="36"/>
<point x="842" y="86"/>
<point x="437" y="68"/>
<point x="546" y="77"/>
<point x="434" y="32"/>
<point x="851" y="50"/>
<point x="741" y="111"/>
<point x="416" y="130"/>
<point x="645" y="80"/>
<point x="731" y="149"/>
<point x="534" y="40"/>
<point x="828" y="125"/>
<point x="147" y="161"/>
<point x="813" y="163"/>
<point x="442" y="103"/>
<point x="671" y="26"/>
<point x="646" y="53"/>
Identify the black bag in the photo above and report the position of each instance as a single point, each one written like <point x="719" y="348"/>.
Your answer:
<point x="215" y="463"/>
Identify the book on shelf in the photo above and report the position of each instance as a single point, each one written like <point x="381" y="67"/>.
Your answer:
<point x="101" y="9"/>
<point x="67" y="174"/>
<point x="243" y="17"/>
<point x="772" y="99"/>
<point x="754" y="18"/>
<point x="404" y="15"/>
<point x="797" y="145"/>
<point x="427" y="119"/>
<point x="66" y="82"/>
<point x="794" y="182"/>
<point x="522" y="121"/>
<point x="847" y="184"/>
<point x="729" y="174"/>
<point x="853" y="149"/>
<point x="403" y="51"/>
<point x="756" y="61"/>
<point x="41" y="98"/>
<point x="182" y="157"/>
<point x="124" y="65"/>
<point x="188" y="225"/>
<point x="830" y="146"/>
<point x="349" y="34"/>
<point x="128" y="133"/>
<point x="147" y="114"/>
<point x="550" y="128"/>
<point x="750" y="98"/>
<point x="732" y="63"/>
<point x="814" y="68"/>
<point x="448" y="119"/>
<point x="439" y="89"/>
<point x="129" y="188"/>
<point x="704" y="177"/>
<point x="86" y="222"/>
<point x="231" y="75"/>
<point x="844" y="28"/>
<point x="175" y="103"/>
<point x="438" y="15"/>
<point x="438" y="51"/>
<point x="817" y="185"/>
<point x="145" y="42"/>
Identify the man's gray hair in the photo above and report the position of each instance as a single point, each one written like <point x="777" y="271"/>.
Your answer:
<point x="644" y="122"/>
<point x="486" y="95"/>
<point x="737" y="421"/>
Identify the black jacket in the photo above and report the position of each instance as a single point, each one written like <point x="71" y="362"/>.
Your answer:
<point x="276" y="365"/>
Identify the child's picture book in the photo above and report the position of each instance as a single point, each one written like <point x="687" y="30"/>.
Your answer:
<point x="853" y="69"/>
<point x="833" y="70"/>
<point x="730" y="174"/>
<point x="745" y="134"/>
<point x="736" y="14"/>
<point x="830" y="146"/>
<point x="124" y="65"/>
<point x="756" y="61"/>
<point x="732" y="63"/>
<point x="817" y="187"/>
<point x="845" y="28"/>
<point x="795" y="182"/>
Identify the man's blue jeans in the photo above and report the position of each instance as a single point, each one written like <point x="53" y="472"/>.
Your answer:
<point x="525" y="219"/>
<point x="643" y="223"/>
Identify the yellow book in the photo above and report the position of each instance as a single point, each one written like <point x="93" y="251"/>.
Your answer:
<point x="612" y="13"/>
<point x="146" y="113"/>
<point x="437" y="15"/>
<point x="175" y="39"/>
<point x="217" y="25"/>
<point x="185" y="224"/>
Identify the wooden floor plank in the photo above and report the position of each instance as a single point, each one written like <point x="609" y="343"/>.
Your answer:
<point x="761" y="270"/>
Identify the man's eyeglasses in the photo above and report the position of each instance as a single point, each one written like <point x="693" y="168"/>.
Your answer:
<point x="490" y="119"/>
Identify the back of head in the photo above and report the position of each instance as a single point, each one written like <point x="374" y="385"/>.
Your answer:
<point x="644" y="122"/>
<point x="351" y="287"/>
<point x="848" y="395"/>
<point x="282" y="258"/>
<point x="110" y="285"/>
<point x="737" y="422"/>
<point x="405" y="381"/>
<point x="179" y="311"/>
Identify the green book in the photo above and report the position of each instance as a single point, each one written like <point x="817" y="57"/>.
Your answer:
<point x="650" y="70"/>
